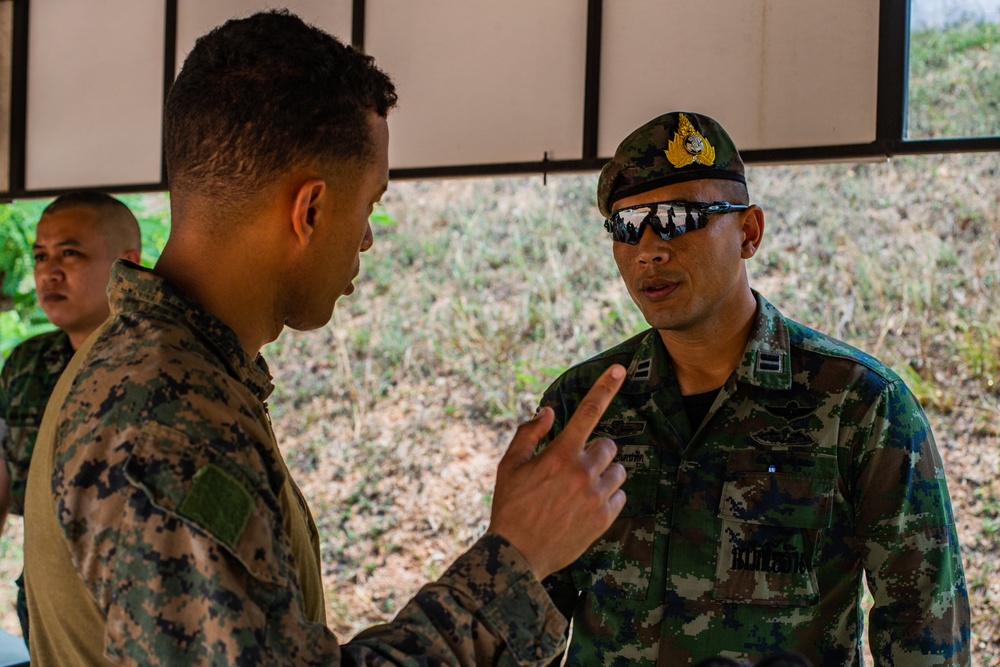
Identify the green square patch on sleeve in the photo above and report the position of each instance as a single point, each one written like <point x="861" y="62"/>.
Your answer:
<point x="219" y="503"/>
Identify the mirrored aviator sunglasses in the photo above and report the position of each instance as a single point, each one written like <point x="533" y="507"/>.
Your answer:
<point x="669" y="219"/>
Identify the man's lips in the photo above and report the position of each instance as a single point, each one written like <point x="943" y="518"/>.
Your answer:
<point x="657" y="289"/>
<point x="52" y="297"/>
<point x="350" y="286"/>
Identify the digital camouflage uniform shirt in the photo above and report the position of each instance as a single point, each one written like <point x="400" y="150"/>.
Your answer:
<point x="175" y="520"/>
<point x="26" y="382"/>
<point x="750" y="533"/>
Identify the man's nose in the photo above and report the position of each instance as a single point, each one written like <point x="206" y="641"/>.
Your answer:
<point x="651" y="248"/>
<point x="51" y="272"/>
<point x="369" y="240"/>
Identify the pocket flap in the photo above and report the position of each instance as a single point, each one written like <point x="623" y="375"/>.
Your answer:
<point x="779" y="488"/>
<point x="796" y="501"/>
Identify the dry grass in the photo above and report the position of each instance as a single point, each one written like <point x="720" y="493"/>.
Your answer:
<point x="394" y="416"/>
<point x="484" y="290"/>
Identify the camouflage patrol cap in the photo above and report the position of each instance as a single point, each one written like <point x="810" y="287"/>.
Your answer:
<point x="672" y="148"/>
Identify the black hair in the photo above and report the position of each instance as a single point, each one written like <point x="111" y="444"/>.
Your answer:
<point x="118" y="223"/>
<point x="99" y="201"/>
<point x="264" y="93"/>
<point x="735" y="192"/>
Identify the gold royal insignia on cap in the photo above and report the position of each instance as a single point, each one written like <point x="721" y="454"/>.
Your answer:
<point x="688" y="145"/>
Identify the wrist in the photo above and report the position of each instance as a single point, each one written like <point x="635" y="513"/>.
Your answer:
<point x="528" y="561"/>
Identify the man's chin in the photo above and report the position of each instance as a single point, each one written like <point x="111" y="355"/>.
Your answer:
<point x="59" y="318"/>
<point x="54" y="313"/>
<point x="308" y="323"/>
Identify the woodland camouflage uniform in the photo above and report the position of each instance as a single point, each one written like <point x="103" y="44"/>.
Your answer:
<point x="174" y="529"/>
<point x="750" y="532"/>
<point x="26" y="382"/>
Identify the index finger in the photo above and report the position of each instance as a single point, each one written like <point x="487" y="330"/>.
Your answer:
<point x="593" y="405"/>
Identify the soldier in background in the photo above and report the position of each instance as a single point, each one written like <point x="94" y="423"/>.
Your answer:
<point x="77" y="239"/>
<point x="164" y="527"/>
<point x="770" y="467"/>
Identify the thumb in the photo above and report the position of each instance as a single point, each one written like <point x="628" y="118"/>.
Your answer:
<point x="528" y="435"/>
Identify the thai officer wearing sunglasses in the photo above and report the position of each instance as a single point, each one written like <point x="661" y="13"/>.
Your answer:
<point x="770" y="467"/>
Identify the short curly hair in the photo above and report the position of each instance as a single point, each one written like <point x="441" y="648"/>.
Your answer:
<point x="261" y="94"/>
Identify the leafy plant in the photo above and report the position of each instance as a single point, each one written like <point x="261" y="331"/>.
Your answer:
<point x="20" y="315"/>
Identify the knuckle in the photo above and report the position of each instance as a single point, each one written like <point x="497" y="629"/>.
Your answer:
<point x="620" y="473"/>
<point x="614" y="476"/>
<point x="521" y="430"/>
<point x="556" y="457"/>
<point x="502" y="467"/>
<point x="580" y="481"/>
<point x="590" y="409"/>
<point x="606" y="445"/>
<point x="600" y="451"/>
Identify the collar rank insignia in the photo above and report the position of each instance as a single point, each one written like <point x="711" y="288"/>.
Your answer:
<point x="688" y="145"/>
<point x="768" y="362"/>
<point x="641" y="371"/>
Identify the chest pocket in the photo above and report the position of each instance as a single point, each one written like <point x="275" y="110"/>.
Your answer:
<point x="620" y="562"/>
<point x="773" y="509"/>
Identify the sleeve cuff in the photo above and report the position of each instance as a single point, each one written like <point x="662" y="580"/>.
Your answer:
<point x="510" y="600"/>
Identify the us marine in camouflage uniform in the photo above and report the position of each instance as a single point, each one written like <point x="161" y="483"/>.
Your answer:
<point x="164" y="526"/>
<point x="770" y="467"/>
<point x="78" y="237"/>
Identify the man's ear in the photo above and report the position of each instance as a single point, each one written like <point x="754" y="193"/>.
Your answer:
<point x="131" y="255"/>
<point x="305" y="208"/>
<point x="753" y="230"/>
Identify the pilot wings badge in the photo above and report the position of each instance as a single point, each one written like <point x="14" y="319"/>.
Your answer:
<point x="688" y="145"/>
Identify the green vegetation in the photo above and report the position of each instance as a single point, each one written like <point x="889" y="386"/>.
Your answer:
<point x="20" y="316"/>
<point x="955" y="82"/>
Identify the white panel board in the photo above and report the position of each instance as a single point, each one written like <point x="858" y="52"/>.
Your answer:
<point x="775" y="73"/>
<point x="95" y="93"/>
<point x="481" y="81"/>
<point x="197" y="17"/>
<point x="6" y="18"/>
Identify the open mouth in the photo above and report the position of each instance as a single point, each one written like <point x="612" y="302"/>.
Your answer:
<point x="655" y="289"/>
